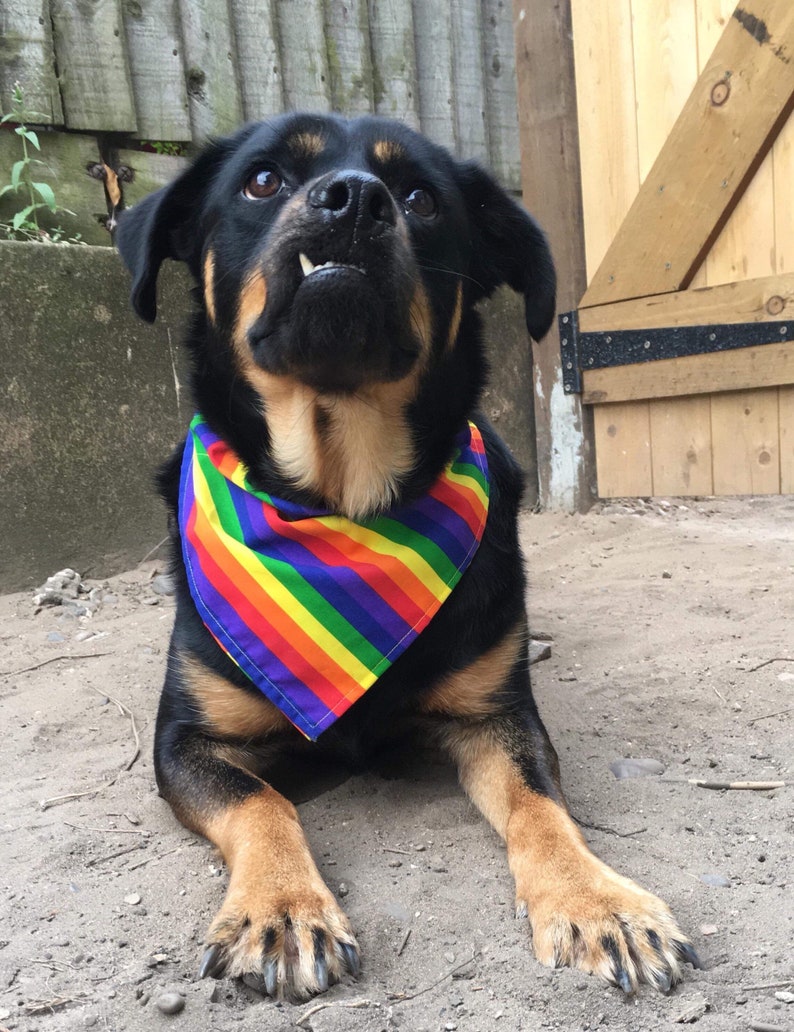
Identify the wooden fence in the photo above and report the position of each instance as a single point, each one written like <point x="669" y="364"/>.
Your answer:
<point x="177" y="71"/>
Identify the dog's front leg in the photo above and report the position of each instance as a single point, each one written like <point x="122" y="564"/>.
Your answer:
<point x="279" y="921"/>
<point x="581" y="912"/>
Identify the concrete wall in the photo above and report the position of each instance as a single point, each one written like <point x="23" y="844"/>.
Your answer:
<point x="91" y="403"/>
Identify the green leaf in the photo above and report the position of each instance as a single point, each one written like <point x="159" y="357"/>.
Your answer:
<point x="22" y="216"/>
<point x="44" y="190"/>
<point x="16" y="172"/>
<point x="6" y="189"/>
<point x="29" y="135"/>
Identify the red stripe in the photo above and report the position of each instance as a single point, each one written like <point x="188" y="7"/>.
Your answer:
<point x="249" y="601"/>
<point x="463" y="501"/>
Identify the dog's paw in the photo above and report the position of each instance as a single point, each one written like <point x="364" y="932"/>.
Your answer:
<point x="607" y="925"/>
<point x="284" y="947"/>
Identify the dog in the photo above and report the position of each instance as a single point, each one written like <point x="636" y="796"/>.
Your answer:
<point x="344" y="525"/>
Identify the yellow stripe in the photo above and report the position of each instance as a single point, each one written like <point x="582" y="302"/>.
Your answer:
<point x="385" y="546"/>
<point x="296" y="611"/>
<point x="465" y="480"/>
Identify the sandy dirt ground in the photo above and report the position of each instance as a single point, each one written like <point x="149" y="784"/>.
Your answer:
<point x="671" y="630"/>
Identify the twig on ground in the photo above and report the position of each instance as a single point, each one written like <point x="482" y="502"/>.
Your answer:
<point x="767" y="985"/>
<point x="45" y="804"/>
<point x="348" y="1005"/>
<point x="50" y="1005"/>
<point x="763" y="1026"/>
<point x="53" y="659"/>
<point x="149" y="859"/>
<point x="404" y="997"/>
<point x="404" y="943"/>
<point x="609" y="831"/>
<point x="153" y="550"/>
<point x="109" y="831"/>
<point x="389" y="849"/>
<point x="775" y="659"/>
<point x="737" y="786"/>
<point x="766" y="716"/>
<point x="718" y="693"/>
<point x="112" y="856"/>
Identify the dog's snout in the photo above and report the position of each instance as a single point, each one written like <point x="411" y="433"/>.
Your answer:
<point x="354" y="196"/>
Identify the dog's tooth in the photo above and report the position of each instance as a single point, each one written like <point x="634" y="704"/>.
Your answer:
<point x="306" y="264"/>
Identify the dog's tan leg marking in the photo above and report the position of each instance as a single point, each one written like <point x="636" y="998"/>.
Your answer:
<point x="472" y="693"/>
<point x="279" y="919"/>
<point x="582" y="913"/>
<point x="228" y="711"/>
<point x="209" y="283"/>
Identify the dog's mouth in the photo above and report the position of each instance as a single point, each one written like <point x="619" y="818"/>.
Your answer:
<point x="309" y="268"/>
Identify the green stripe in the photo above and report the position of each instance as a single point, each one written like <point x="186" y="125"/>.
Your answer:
<point x="468" y="469"/>
<point x="433" y="555"/>
<point x="294" y="582"/>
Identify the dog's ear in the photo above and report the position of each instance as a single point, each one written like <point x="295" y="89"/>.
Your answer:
<point x="165" y="225"/>
<point x="508" y="247"/>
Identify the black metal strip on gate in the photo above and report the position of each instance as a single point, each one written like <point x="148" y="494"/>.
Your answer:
<point x="604" y="349"/>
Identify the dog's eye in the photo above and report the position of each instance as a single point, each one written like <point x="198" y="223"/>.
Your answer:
<point x="421" y="202"/>
<point x="262" y="184"/>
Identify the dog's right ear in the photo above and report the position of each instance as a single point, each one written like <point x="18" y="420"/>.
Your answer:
<point x="166" y="224"/>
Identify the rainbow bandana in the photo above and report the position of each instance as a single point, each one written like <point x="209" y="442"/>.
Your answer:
<point x="314" y="607"/>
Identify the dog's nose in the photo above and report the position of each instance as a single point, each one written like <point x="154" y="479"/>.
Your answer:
<point x="354" y="196"/>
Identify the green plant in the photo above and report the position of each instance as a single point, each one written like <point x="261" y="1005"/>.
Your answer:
<point x="173" y="150"/>
<point x="38" y="195"/>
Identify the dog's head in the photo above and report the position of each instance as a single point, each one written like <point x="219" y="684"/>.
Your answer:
<point x="336" y="260"/>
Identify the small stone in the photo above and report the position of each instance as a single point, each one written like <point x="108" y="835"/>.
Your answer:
<point x="420" y="848"/>
<point x="708" y="929"/>
<point x="784" y="996"/>
<point x="343" y="889"/>
<point x="395" y="863"/>
<point x="717" y="881"/>
<point x="667" y="575"/>
<point x="170" y="1003"/>
<point x="133" y="899"/>
<point x="151" y="600"/>
<point x="55" y="636"/>
<point x="634" y="767"/>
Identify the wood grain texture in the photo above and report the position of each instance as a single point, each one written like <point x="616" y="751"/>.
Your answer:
<point x="350" y="57"/>
<point x="681" y="446"/>
<point x="154" y="45"/>
<point x="500" y="92"/>
<point x="304" y="55"/>
<point x="394" y="61"/>
<point x="623" y="449"/>
<point x="468" y="76"/>
<point x="766" y="366"/>
<point x="745" y="442"/>
<point x="27" y="57"/>
<point x="682" y="205"/>
<point x="93" y="67"/>
<point x="756" y="300"/>
<point x="786" y="416"/>
<point x="258" y="58"/>
<point x="434" y="70"/>
<point x="210" y="68"/>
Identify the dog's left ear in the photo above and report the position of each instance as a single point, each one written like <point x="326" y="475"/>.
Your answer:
<point x="508" y="246"/>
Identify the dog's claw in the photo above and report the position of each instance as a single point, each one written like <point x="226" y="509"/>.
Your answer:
<point x="351" y="958"/>
<point x="213" y="962"/>
<point x="623" y="980"/>
<point x="686" y="951"/>
<point x="663" y="981"/>
<point x="271" y="977"/>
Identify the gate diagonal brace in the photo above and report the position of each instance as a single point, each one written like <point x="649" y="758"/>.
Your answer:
<point x="604" y="349"/>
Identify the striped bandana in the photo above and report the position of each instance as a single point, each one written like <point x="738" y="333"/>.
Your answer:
<point x="314" y="607"/>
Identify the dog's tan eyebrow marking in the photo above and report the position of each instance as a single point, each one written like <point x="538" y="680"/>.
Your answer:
<point x="387" y="150"/>
<point x="251" y="304"/>
<point x="306" y="144"/>
<point x="454" y="325"/>
<point x="209" y="283"/>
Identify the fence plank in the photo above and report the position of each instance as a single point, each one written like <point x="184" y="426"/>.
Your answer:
<point x="623" y="449"/>
<point x="745" y="436"/>
<point x="681" y="446"/>
<point x="158" y="75"/>
<point x="434" y="70"/>
<point x="93" y="68"/>
<point x="213" y="95"/>
<point x="258" y="58"/>
<point x="394" y="61"/>
<point x="151" y="171"/>
<point x="304" y="55"/>
<point x="471" y="129"/>
<point x="500" y="92"/>
<point x="786" y="403"/>
<point x="65" y="157"/>
<point x="349" y="56"/>
<point x="26" y="56"/>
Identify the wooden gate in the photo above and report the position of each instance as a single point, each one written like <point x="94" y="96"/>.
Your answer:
<point x="683" y="342"/>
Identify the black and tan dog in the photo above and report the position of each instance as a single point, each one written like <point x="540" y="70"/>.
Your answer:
<point x="337" y="352"/>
